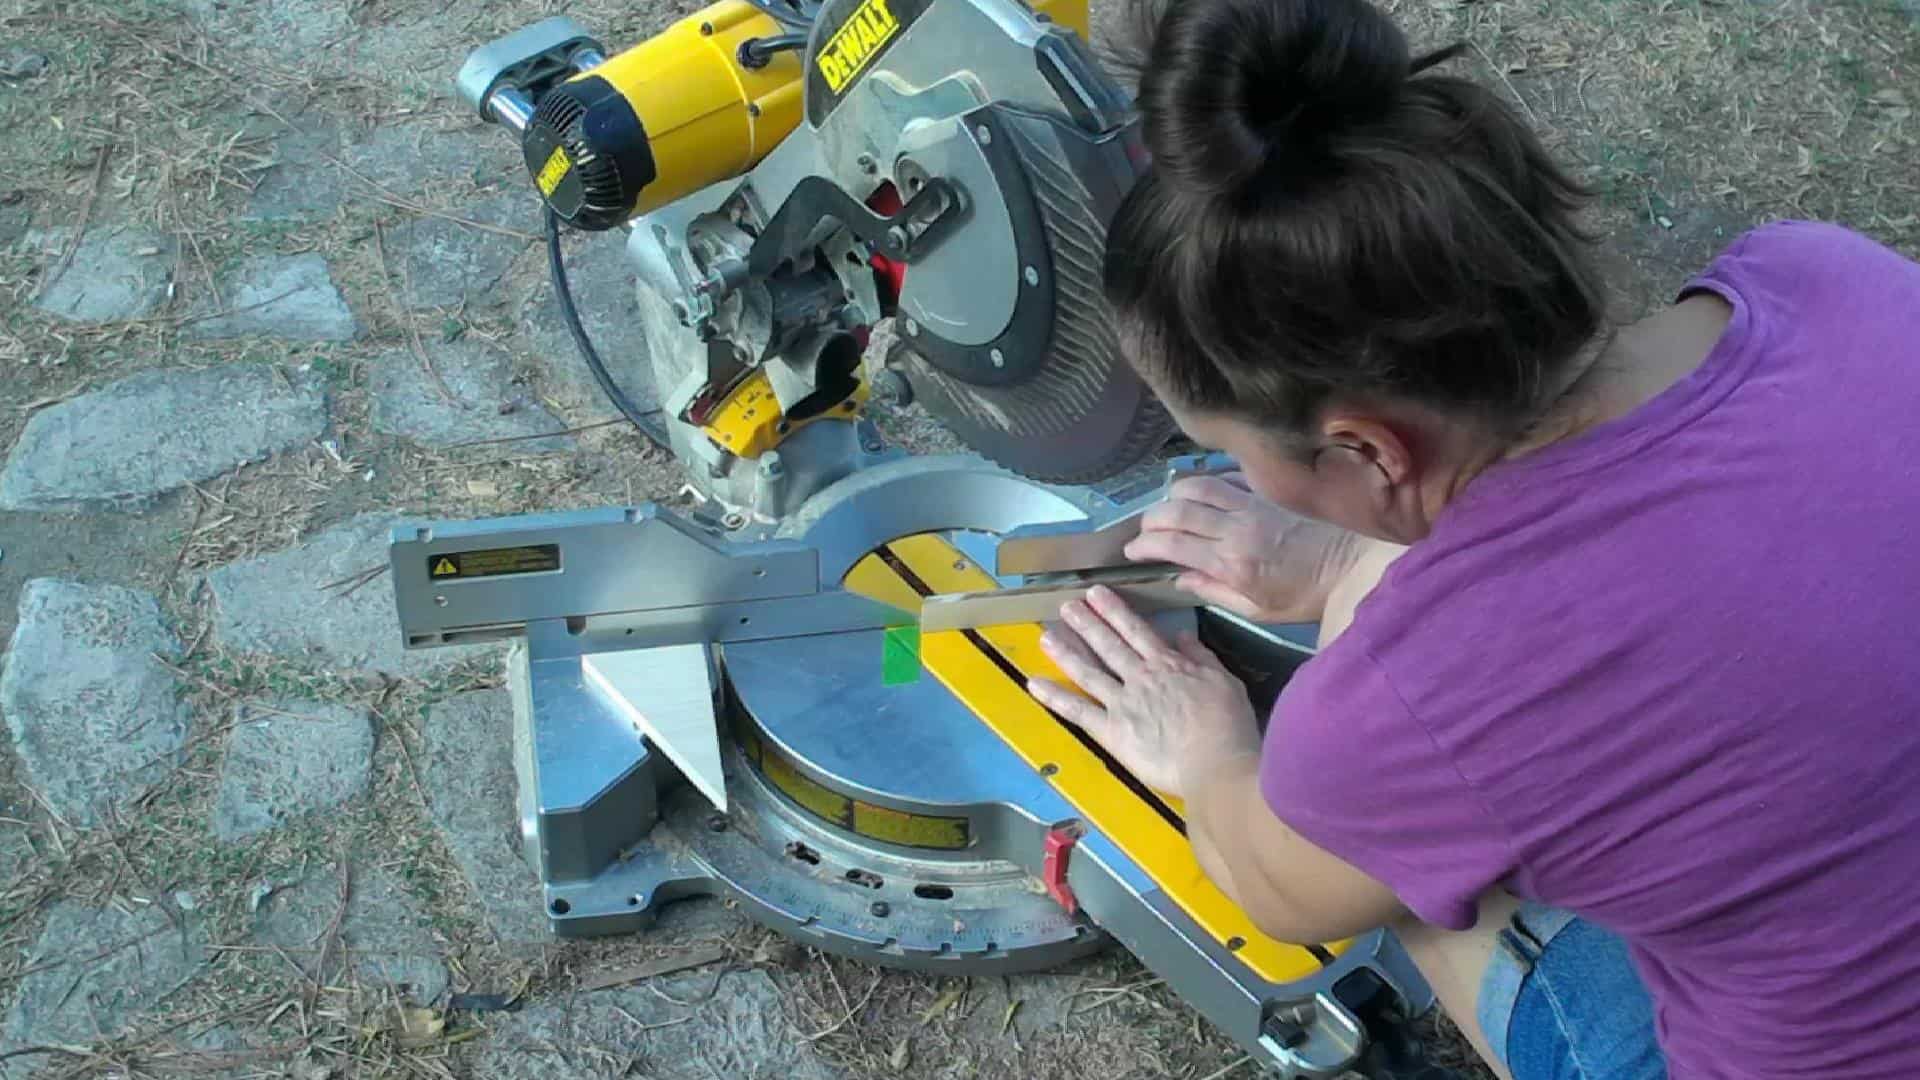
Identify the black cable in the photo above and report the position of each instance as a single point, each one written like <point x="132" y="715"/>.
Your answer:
<point x="564" y="293"/>
<point x="756" y="53"/>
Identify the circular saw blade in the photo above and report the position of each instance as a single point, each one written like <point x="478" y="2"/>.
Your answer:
<point x="1082" y="415"/>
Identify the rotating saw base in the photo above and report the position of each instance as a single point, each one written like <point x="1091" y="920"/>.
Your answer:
<point x="787" y="869"/>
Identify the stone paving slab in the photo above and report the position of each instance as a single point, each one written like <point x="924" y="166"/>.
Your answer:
<point x="385" y="932"/>
<point x="406" y="160"/>
<point x="104" y="966"/>
<point x="137" y="438"/>
<point x="290" y="297"/>
<point x="93" y="715"/>
<point x="449" y="263"/>
<point x="486" y="404"/>
<point x="289" y="759"/>
<point x="275" y="603"/>
<point x="470" y="783"/>
<point x="117" y="273"/>
<point x="736" y="1027"/>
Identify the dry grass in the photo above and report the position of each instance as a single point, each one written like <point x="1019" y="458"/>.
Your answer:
<point x="1692" y="119"/>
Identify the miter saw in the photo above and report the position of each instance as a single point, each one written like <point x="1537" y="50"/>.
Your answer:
<point x="772" y="695"/>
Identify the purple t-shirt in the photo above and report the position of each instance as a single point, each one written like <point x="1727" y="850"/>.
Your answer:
<point x="1666" y="674"/>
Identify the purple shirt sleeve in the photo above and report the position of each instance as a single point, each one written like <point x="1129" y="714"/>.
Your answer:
<point x="1347" y="766"/>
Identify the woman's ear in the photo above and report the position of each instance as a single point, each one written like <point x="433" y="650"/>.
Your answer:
<point x="1372" y="467"/>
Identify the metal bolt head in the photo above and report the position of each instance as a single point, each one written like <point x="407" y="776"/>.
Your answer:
<point x="913" y="328"/>
<point x="986" y="136"/>
<point x="873" y="446"/>
<point x="734" y="520"/>
<point x="881" y="909"/>
<point x="867" y="164"/>
<point x="899" y="237"/>
<point x="706" y="29"/>
<point x="1032" y="275"/>
<point x="716" y="823"/>
<point x="999" y="358"/>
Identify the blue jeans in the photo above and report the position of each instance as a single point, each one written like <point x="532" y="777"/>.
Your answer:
<point x="1561" y="1001"/>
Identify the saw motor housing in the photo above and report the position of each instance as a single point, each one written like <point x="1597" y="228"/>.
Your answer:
<point x="945" y="167"/>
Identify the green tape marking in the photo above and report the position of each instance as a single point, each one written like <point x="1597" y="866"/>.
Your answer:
<point x="900" y="656"/>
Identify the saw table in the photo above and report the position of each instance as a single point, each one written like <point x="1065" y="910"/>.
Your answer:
<point x="740" y="697"/>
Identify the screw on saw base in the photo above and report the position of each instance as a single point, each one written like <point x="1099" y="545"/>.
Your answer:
<point x="999" y="358"/>
<point x="717" y="823"/>
<point x="868" y="165"/>
<point x="880" y="909"/>
<point x="913" y="328"/>
<point x="1032" y="276"/>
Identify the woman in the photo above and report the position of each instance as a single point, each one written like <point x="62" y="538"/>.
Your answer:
<point x="1613" y="720"/>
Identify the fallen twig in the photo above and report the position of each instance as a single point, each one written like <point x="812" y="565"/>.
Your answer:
<point x="666" y="965"/>
<point x="406" y="316"/>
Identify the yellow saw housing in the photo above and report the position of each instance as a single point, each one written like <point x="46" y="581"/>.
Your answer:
<point x="682" y="110"/>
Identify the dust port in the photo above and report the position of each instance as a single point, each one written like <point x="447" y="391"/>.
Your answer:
<point x="865" y="878"/>
<point x="803" y="853"/>
<point x="933" y="892"/>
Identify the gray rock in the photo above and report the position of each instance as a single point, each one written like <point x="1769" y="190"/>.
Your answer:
<point x="116" y="274"/>
<point x="94" y="716"/>
<point x="279" y="766"/>
<point x="448" y="263"/>
<point x="603" y="287"/>
<point x="291" y="297"/>
<point x="18" y="62"/>
<point x="469" y="779"/>
<point x="385" y="933"/>
<point x="305" y="185"/>
<point x="103" y="966"/>
<point x="276" y="603"/>
<point x="156" y="431"/>
<point x="736" y="1028"/>
<point x="485" y="405"/>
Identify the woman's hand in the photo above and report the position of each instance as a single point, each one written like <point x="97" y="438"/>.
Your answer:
<point x="1171" y="715"/>
<point x="1243" y="553"/>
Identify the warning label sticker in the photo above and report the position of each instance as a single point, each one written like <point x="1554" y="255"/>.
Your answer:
<point x="494" y="562"/>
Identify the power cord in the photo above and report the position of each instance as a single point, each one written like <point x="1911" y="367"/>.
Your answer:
<point x="641" y="419"/>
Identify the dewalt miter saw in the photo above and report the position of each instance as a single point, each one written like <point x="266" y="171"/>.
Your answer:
<point x="774" y="696"/>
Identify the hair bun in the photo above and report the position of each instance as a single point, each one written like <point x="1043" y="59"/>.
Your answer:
<point x="1239" y="91"/>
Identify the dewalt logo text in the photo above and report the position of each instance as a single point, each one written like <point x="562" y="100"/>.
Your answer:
<point x="855" y="46"/>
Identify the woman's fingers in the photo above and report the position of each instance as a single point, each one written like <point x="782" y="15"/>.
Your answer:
<point x="1079" y="663"/>
<point x="1227" y="492"/>
<point x="1138" y="634"/>
<point x="1219" y="594"/>
<point x="1069" y="706"/>
<point x="1187" y="516"/>
<point x="1178" y="548"/>
<point x="1101" y="639"/>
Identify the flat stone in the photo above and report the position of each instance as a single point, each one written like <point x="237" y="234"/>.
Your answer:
<point x="94" y="716"/>
<point x="603" y="286"/>
<point x="294" y="759"/>
<point x="18" y="62"/>
<point x="470" y="783"/>
<point x="116" y="273"/>
<point x="385" y="933"/>
<point x="116" y="444"/>
<point x="486" y="404"/>
<point x="103" y="966"/>
<point x="449" y="263"/>
<point x="308" y="183"/>
<point x="737" y="1028"/>
<point x="276" y="603"/>
<point x="291" y="297"/>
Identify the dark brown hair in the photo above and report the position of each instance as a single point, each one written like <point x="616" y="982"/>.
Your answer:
<point x="1325" y="218"/>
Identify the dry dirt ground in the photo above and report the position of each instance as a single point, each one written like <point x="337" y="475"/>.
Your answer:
<point x="281" y="196"/>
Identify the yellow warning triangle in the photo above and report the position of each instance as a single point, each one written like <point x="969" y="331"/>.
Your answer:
<point x="445" y="568"/>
